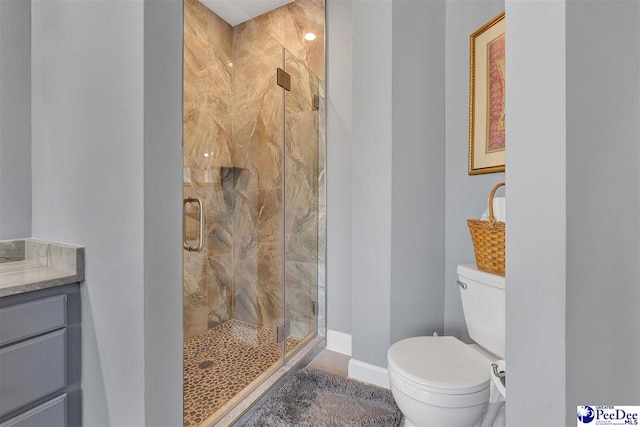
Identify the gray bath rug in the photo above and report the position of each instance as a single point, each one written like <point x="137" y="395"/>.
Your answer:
<point x="315" y="398"/>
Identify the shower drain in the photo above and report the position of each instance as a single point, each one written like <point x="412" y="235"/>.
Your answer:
<point x="205" y="365"/>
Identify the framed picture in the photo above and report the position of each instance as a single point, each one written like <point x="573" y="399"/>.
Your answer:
<point x="487" y="98"/>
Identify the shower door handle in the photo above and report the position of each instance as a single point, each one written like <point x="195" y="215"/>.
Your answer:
<point x="185" y="245"/>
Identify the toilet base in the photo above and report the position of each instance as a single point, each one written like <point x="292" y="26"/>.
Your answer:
<point x="420" y="414"/>
<point x="407" y="423"/>
<point x="440" y="423"/>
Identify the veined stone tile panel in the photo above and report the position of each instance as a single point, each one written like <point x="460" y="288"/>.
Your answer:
<point x="208" y="53"/>
<point x="207" y="140"/>
<point x="301" y="218"/>
<point x="208" y="75"/>
<point x="258" y="287"/>
<point x="194" y="293"/>
<point x="207" y="146"/>
<point x="194" y="316"/>
<point x="207" y="275"/>
<point x="219" y="289"/>
<point x="250" y="38"/>
<point x="301" y="164"/>
<point x="304" y="85"/>
<point x="319" y="4"/>
<point x="218" y="205"/>
<point x="257" y="255"/>
<point x="289" y="24"/>
<point x="258" y="115"/>
<point x="207" y="291"/>
<point x="302" y="147"/>
<point x="301" y="293"/>
<point x="257" y="219"/>
<point x="219" y="221"/>
<point x="195" y="274"/>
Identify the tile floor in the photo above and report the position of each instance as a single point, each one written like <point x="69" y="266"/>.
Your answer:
<point x="221" y="362"/>
<point x="243" y="352"/>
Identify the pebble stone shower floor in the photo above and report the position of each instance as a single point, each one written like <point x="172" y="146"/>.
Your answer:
<point x="221" y="362"/>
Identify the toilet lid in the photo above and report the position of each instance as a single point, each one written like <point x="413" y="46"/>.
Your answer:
<point x="442" y="363"/>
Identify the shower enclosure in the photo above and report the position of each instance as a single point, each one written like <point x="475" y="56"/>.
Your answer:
<point x="254" y="114"/>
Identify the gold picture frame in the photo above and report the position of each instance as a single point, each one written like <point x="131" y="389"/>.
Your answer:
<point x="487" y="98"/>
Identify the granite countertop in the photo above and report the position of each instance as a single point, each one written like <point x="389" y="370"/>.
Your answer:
<point x="29" y="265"/>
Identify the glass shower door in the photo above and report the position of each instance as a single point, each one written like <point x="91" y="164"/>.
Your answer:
<point x="233" y="162"/>
<point x="302" y="104"/>
<point x="251" y="170"/>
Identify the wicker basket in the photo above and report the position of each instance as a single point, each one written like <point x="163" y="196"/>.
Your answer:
<point x="488" y="240"/>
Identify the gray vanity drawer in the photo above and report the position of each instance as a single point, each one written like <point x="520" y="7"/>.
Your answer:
<point x="31" y="370"/>
<point x="50" y="414"/>
<point x="32" y="318"/>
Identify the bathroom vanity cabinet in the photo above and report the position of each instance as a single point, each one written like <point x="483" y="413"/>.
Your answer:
<point x="40" y="334"/>
<point x="40" y="358"/>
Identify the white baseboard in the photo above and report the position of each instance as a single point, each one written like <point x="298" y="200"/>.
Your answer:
<point x="368" y="373"/>
<point x="339" y="342"/>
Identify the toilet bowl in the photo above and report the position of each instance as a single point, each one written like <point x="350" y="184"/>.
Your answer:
<point x="438" y="381"/>
<point x="441" y="381"/>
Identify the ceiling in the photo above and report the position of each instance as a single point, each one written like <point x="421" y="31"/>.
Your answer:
<point x="237" y="11"/>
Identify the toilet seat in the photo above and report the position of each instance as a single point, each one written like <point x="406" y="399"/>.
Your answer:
<point x="440" y="368"/>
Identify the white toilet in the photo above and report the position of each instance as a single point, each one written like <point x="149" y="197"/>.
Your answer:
<point x="441" y="381"/>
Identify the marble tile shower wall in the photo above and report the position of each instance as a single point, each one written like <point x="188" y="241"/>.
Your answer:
<point x="289" y="24"/>
<point x="208" y="166"/>
<point x="233" y="146"/>
<point x="258" y="140"/>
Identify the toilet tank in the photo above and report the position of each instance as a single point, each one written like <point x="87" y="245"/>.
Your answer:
<point x="483" y="304"/>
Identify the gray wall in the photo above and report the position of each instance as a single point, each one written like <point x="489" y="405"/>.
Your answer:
<point x="603" y="203"/>
<point x="418" y="167"/>
<point x="398" y="174"/>
<point x="163" y="35"/>
<point x="15" y="119"/>
<point x="339" y="161"/>
<point x="466" y="196"/>
<point x="536" y="245"/>
<point x="572" y="270"/>
<point x="88" y="187"/>
<point x="371" y="181"/>
<point x="106" y="175"/>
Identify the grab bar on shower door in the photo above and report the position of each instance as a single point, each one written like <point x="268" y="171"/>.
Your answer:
<point x="185" y="245"/>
